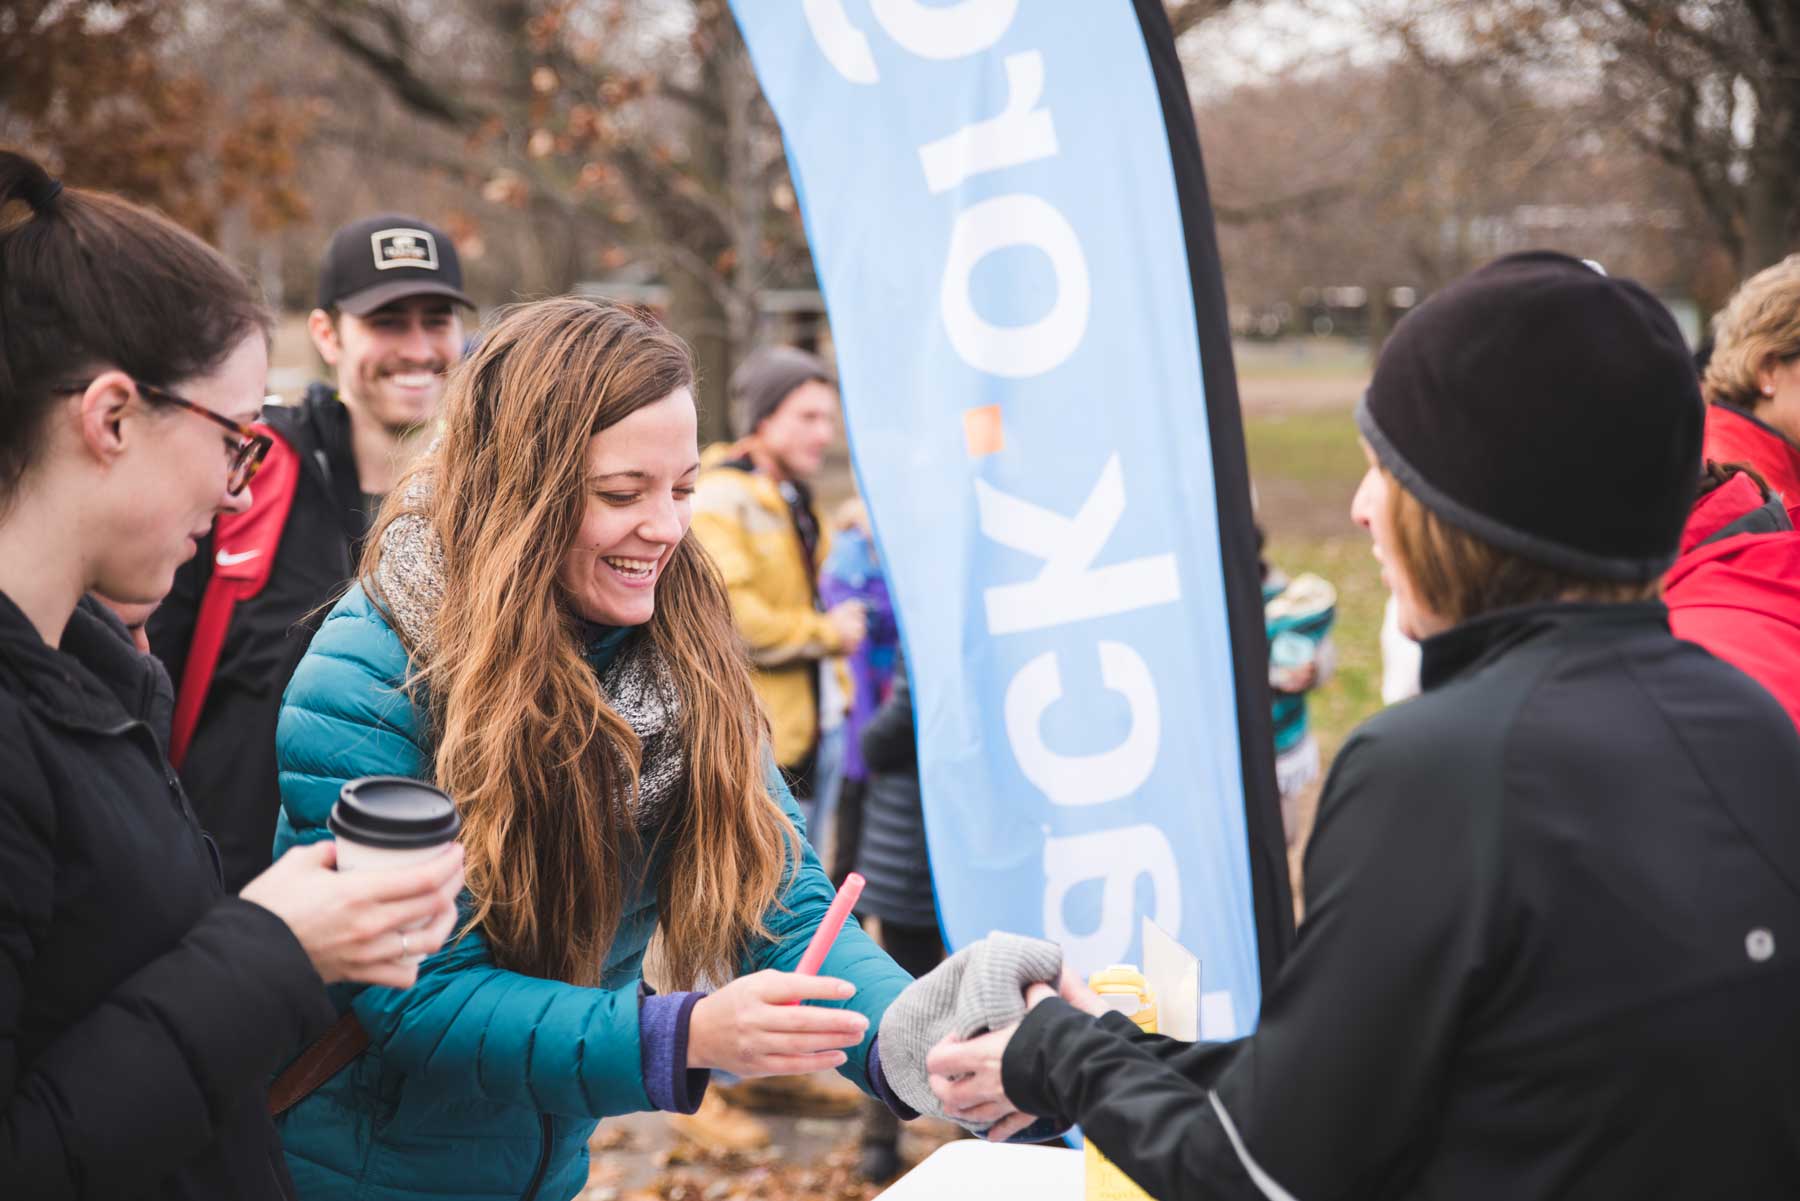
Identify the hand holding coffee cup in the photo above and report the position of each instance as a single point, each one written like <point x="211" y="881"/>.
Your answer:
<point x="383" y="823"/>
<point x="392" y="899"/>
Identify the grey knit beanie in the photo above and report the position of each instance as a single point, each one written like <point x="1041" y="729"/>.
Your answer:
<point x="766" y="378"/>
<point x="980" y="988"/>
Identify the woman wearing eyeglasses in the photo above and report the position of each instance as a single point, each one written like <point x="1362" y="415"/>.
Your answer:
<point x="142" y="1010"/>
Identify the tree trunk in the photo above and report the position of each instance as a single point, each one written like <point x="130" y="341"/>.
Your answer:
<point x="559" y="262"/>
<point x="1772" y="194"/>
<point x="1381" y="317"/>
<point x="720" y="316"/>
<point x="695" y="314"/>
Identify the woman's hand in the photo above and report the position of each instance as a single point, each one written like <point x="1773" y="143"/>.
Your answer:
<point x="753" y="1027"/>
<point x="351" y="924"/>
<point x="965" y="1076"/>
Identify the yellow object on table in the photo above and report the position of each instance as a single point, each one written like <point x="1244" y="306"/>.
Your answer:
<point x="1123" y="988"/>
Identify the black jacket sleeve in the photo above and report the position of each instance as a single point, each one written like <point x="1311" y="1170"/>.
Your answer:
<point x="1202" y="1062"/>
<point x="139" y="1085"/>
<point x="888" y="742"/>
<point x="1346" y="1065"/>
<point x="171" y="627"/>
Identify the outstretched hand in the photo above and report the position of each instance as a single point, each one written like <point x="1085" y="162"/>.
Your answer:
<point x="753" y="1026"/>
<point x="965" y="1078"/>
<point x="965" y="1073"/>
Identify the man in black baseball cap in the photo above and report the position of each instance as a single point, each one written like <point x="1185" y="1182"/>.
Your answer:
<point x="388" y="326"/>
<point x="378" y="260"/>
<point x="387" y="322"/>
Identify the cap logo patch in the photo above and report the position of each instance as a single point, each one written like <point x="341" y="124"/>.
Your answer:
<point x="404" y="248"/>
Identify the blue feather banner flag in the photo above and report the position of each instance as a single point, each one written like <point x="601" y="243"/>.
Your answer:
<point x="1010" y="224"/>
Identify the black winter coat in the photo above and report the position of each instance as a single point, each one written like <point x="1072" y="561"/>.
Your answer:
<point x="142" y="1011"/>
<point x="892" y="856"/>
<point x="230" y="771"/>
<point x="1552" y="949"/>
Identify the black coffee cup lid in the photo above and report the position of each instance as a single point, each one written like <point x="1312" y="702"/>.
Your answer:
<point x="393" y="812"/>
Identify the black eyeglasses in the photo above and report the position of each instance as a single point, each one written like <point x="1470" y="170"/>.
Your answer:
<point x="246" y="457"/>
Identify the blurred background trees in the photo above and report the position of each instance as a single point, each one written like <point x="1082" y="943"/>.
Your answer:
<point x="1710" y="90"/>
<point x="624" y="145"/>
<point x="124" y="95"/>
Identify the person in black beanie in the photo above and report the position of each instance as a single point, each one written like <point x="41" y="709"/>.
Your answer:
<point x="1552" y="945"/>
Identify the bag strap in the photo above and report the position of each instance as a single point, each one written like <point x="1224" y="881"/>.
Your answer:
<point x="244" y="546"/>
<point x="329" y="1054"/>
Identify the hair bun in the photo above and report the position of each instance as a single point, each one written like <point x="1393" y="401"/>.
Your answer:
<point x="22" y="179"/>
<point x="43" y="196"/>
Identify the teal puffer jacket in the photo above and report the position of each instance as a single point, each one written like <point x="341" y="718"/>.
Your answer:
<point x="480" y="1082"/>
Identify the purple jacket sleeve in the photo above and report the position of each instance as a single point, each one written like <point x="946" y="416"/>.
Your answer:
<point x="663" y="1021"/>
<point x="879" y="1082"/>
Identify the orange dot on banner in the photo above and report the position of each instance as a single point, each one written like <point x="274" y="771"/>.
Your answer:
<point x="982" y="431"/>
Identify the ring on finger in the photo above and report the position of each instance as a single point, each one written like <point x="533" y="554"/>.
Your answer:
<point x="405" y="951"/>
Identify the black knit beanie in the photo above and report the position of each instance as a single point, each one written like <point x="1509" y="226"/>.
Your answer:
<point x="764" y="379"/>
<point x="1548" y="409"/>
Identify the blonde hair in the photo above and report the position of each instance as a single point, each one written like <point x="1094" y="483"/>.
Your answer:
<point x="542" y="768"/>
<point x="1459" y="576"/>
<point x="1761" y="322"/>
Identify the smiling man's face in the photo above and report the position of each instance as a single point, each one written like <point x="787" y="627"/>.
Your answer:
<point x="391" y="363"/>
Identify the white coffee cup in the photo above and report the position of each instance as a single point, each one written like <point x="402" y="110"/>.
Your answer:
<point x="390" y="821"/>
<point x="383" y="822"/>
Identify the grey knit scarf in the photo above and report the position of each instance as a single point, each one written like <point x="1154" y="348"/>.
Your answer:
<point x="637" y="684"/>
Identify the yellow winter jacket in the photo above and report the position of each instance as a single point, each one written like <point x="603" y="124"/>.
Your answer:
<point x="742" y="521"/>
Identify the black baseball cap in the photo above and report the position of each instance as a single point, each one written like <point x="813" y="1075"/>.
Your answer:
<point x="385" y="258"/>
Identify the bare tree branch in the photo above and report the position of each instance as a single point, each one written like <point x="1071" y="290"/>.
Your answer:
<point x="391" y="62"/>
<point x="1301" y="203"/>
<point x="702" y="105"/>
<point x="1186" y="14"/>
<point x="1667" y="19"/>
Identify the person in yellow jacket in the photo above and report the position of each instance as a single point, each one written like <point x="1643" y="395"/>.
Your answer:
<point x="754" y="513"/>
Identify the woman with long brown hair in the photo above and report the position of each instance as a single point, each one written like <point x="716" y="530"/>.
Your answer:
<point x="536" y="631"/>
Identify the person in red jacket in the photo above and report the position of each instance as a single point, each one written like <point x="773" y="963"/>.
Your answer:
<point x="1735" y="589"/>
<point x="1752" y="381"/>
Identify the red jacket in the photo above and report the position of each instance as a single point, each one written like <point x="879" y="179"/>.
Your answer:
<point x="1739" y="597"/>
<point x="1734" y="436"/>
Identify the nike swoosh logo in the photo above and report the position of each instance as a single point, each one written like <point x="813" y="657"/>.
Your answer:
<point x="227" y="559"/>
